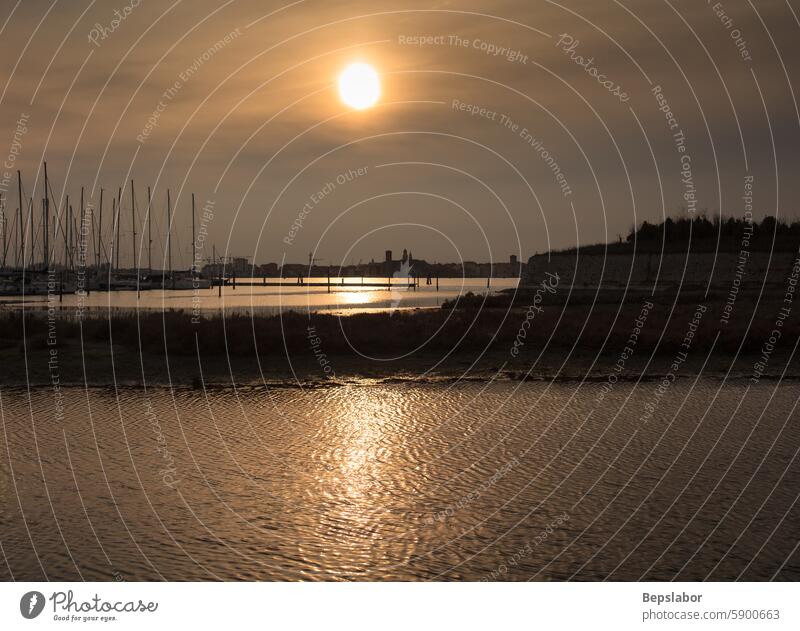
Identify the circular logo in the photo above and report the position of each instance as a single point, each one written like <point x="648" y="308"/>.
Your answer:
<point x="31" y="604"/>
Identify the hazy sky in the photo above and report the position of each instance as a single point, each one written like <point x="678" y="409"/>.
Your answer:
<point x="236" y="101"/>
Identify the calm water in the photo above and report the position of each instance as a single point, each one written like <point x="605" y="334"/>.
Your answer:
<point x="503" y="481"/>
<point x="265" y="299"/>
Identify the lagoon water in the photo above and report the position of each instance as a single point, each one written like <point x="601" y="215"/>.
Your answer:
<point x="262" y="299"/>
<point x="404" y="481"/>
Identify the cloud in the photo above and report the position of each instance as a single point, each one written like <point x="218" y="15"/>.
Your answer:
<point x="273" y="85"/>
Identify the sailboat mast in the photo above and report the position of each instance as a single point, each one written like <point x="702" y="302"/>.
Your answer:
<point x="3" y="208"/>
<point x="67" y="231"/>
<point x="116" y="223"/>
<point x="194" y="246"/>
<point x="29" y="228"/>
<point x="133" y="226"/>
<point x="114" y="233"/>
<point x="73" y="238"/>
<point x="81" y="238"/>
<point x="99" y="231"/>
<point x="20" y="260"/>
<point x="169" y="237"/>
<point x="29" y="245"/>
<point x="149" y="234"/>
<point x="46" y="211"/>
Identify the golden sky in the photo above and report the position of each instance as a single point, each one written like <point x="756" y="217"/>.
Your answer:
<point x="503" y="128"/>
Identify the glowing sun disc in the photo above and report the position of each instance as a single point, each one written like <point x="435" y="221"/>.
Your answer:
<point x="359" y="86"/>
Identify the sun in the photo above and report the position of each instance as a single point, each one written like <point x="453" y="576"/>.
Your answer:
<point x="359" y="86"/>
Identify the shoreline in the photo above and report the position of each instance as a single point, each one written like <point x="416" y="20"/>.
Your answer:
<point x="216" y="372"/>
<point x="546" y="341"/>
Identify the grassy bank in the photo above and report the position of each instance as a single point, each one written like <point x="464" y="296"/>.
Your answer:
<point x="569" y="338"/>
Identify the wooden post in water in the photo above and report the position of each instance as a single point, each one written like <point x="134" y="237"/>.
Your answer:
<point x="437" y="283"/>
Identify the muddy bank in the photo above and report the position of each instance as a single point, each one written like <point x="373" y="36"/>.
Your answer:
<point x="537" y="341"/>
